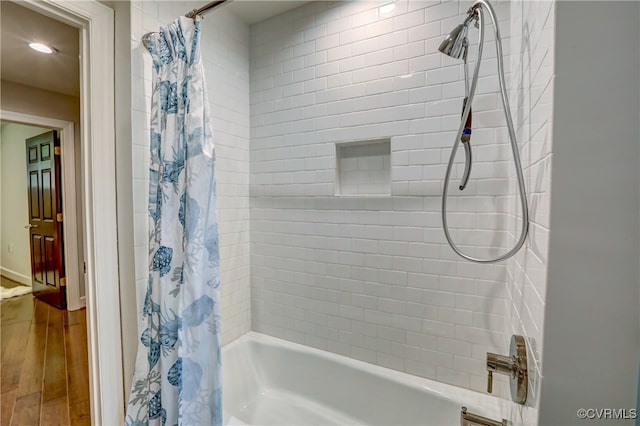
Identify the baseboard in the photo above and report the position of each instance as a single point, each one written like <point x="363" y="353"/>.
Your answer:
<point x="82" y="303"/>
<point x="15" y="276"/>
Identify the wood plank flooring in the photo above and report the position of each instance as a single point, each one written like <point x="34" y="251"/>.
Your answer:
<point x="44" y="366"/>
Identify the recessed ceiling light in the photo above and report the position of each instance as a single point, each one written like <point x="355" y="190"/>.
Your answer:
<point x="42" y="48"/>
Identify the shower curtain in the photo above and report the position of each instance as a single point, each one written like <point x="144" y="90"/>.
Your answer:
<point x="177" y="379"/>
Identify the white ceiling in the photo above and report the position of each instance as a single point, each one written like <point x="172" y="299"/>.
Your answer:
<point x="57" y="72"/>
<point x="252" y="11"/>
<point x="60" y="72"/>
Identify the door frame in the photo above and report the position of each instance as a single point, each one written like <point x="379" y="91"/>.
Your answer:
<point x="95" y="22"/>
<point x="72" y="249"/>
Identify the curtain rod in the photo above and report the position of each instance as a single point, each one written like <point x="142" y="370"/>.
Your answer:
<point x="206" y="8"/>
<point x="192" y="14"/>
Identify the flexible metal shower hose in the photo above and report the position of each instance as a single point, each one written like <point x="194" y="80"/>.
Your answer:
<point x="479" y="5"/>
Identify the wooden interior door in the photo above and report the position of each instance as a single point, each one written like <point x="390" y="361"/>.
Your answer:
<point x="45" y="218"/>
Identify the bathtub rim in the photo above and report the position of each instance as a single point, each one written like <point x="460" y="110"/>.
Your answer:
<point x="486" y="405"/>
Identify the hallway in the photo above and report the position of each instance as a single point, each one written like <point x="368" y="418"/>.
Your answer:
<point x="45" y="378"/>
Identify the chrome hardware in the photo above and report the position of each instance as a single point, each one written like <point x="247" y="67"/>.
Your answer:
<point x="470" y="419"/>
<point x="29" y="226"/>
<point x="454" y="47"/>
<point x="467" y="165"/>
<point x="513" y="365"/>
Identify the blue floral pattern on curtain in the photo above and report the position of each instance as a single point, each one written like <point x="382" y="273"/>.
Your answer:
<point x="177" y="380"/>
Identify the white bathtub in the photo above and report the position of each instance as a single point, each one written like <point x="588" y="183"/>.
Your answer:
<point x="268" y="381"/>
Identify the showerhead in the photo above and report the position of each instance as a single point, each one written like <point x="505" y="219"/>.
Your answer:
<point x="455" y="43"/>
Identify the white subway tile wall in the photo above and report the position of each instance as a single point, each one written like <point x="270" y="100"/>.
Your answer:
<point x="225" y="52"/>
<point x="531" y="97"/>
<point x="370" y="277"/>
<point x="373" y="277"/>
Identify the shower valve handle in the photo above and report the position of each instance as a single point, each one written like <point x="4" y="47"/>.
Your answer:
<point x="514" y="366"/>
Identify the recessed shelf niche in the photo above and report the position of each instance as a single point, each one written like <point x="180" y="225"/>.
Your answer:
<point x="363" y="168"/>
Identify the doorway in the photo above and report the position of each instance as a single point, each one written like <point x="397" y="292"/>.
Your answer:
<point x="15" y="258"/>
<point x="95" y="24"/>
<point x="44" y="346"/>
<point x="40" y="238"/>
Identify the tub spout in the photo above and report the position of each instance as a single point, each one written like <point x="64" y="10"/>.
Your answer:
<point x="470" y="419"/>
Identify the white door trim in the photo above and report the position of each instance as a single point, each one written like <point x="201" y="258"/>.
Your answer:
<point x="72" y="251"/>
<point x="97" y="109"/>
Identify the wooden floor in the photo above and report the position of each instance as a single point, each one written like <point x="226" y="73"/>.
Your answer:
<point x="44" y="369"/>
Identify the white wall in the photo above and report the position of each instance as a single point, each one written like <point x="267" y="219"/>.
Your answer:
<point x="30" y="100"/>
<point x="591" y="344"/>
<point x="531" y="97"/>
<point x="124" y="190"/>
<point x="14" y="201"/>
<point x="372" y="277"/>
<point x="225" y="52"/>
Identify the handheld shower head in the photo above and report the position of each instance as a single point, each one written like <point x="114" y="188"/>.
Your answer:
<point x="455" y="43"/>
<point x="456" y="46"/>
